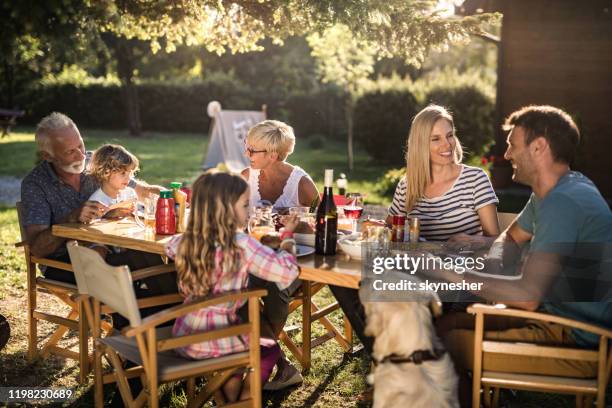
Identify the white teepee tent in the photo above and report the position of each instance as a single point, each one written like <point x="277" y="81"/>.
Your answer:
<point x="228" y="131"/>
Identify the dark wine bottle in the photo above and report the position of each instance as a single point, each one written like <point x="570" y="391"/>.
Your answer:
<point x="327" y="219"/>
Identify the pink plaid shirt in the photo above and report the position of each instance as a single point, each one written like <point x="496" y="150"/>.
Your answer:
<point x="258" y="259"/>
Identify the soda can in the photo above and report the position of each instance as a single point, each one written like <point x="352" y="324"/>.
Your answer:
<point x="414" y="229"/>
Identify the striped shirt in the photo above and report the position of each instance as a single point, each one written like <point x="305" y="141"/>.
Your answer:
<point x="258" y="259"/>
<point x="453" y="212"/>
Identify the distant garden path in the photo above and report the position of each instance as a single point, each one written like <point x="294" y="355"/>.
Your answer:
<point x="10" y="190"/>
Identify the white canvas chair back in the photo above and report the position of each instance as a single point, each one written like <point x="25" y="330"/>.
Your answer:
<point x="111" y="285"/>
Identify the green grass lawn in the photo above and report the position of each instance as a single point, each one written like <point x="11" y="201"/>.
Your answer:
<point x="335" y="380"/>
<point x="166" y="157"/>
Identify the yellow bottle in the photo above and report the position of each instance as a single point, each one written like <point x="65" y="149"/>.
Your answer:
<point x="180" y="199"/>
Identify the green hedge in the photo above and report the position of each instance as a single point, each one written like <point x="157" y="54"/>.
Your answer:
<point x="170" y="107"/>
<point x="319" y="113"/>
<point x="382" y="123"/>
<point x="162" y="107"/>
<point x="382" y="118"/>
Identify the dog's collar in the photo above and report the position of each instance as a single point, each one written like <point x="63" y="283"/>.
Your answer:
<point x="417" y="357"/>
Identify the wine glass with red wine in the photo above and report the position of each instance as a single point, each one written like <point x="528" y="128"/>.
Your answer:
<point x="353" y="208"/>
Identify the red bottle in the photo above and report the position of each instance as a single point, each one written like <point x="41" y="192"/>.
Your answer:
<point x="165" y="221"/>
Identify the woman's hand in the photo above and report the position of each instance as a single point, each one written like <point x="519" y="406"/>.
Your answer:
<point x="290" y="222"/>
<point x="374" y="223"/>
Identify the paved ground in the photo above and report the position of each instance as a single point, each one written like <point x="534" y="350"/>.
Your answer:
<point x="10" y="190"/>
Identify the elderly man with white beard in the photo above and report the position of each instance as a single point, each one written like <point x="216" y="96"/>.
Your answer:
<point x="56" y="191"/>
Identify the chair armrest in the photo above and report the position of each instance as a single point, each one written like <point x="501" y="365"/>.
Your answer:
<point x="52" y="263"/>
<point x="502" y="310"/>
<point x="199" y="303"/>
<point x="152" y="271"/>
<point x="21" y="244"/>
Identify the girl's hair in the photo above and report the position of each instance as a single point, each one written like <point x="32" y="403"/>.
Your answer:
<point x="275" y="137"/>
<point x="212" y="223"/>
<point x="418" y="166"/>
<point x="109" y="159"/>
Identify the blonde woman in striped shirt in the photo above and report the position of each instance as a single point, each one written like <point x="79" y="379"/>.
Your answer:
<point x="450" y="199"/>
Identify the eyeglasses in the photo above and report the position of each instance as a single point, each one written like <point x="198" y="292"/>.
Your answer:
<point x="250" y="151"/>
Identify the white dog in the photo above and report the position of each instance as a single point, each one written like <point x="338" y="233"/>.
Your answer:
<point x="400" y="329"/>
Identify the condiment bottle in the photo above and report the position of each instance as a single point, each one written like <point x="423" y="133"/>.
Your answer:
<point x="397" y="228"/>
<point x="180" y="203"/>
<point x="165" y="217"/>
<point x="414" y="230"/>
<point x="185" y="189"/>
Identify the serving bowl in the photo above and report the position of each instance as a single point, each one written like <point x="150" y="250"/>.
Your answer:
<point x="351" y="245"/>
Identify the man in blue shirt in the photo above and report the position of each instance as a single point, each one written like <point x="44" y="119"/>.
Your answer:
<point x="568" y="225"/>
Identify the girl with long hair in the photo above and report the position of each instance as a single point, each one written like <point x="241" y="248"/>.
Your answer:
<point x="214" y="255"/>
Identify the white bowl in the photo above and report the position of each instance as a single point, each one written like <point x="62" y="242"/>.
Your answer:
<point x="309" y="239"/>
<point x="351" y="246"/>
<point x="305" y="239"/>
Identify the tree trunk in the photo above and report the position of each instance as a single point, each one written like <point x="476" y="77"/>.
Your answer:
<point x="129" y="92"/>
<point x="9" y="81"/>
<point x="349" y="111"/>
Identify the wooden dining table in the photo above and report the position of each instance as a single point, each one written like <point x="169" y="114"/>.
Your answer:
<point x="338" y="270"/>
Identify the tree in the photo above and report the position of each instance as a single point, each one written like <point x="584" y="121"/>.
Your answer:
<point x="123" y="51"/>
<point x="406" y="28"/>
<point x="346" y="62"/>
<point x="29" y="34"/>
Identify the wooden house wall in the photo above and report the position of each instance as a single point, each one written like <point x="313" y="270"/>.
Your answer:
<point x="559" y="52"/>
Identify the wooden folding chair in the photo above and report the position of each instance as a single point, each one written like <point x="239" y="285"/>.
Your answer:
<point x="152" y="347"/>
<point x="584" y="389"/>
<point x="62" y="291"/>
<point x="67" y="293"/>
<point x="312" y="313"/>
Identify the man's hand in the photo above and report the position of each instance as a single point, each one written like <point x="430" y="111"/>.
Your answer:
<point x="464" y="241"/>
<point x="90" y="211"/>
<point x="118" y="213"/>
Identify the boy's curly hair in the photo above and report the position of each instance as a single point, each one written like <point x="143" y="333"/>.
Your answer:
<point x="109" y="159"/>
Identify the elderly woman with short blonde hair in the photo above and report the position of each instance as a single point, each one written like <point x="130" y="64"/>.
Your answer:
<point x="270" y="177"/>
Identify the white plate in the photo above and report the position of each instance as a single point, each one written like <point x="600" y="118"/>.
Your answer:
<point x="303" y="250"/>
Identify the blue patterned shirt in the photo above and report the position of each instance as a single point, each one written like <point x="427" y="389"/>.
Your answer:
<point x="47" y="200"/>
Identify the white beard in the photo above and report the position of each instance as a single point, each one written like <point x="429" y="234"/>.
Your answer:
<point x="74" y="168"/>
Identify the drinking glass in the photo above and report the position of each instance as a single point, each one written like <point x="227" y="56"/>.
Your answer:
<point x="150" y="205"/>
<point x="378" y="238"/>
<point x="353" y="208"/>
<point x="261" y="223"/>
